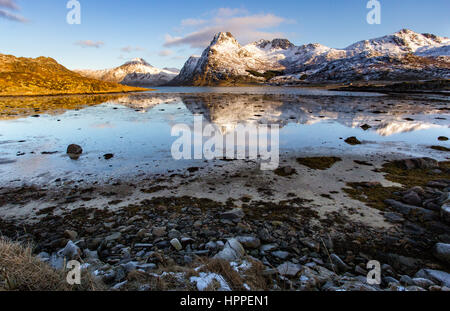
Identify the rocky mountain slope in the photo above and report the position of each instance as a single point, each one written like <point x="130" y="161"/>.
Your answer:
<point x="404" y="55"/>
<point x="136" y="72"/>
<point x="44" y="76"/>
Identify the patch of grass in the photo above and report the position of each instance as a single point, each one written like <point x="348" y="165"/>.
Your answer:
<point x="21" y="270"/>
<point x="318" y="163"/>
<point x="414" y="177"/>
<point x="374" y="194"/>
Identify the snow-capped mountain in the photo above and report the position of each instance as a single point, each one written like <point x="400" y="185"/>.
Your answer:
<point x="402" y="55"/>
<point x="136" y="72"/>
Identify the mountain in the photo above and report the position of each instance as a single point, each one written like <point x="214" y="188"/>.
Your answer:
<point x="44" y="76"/>
<point x="136" y="72"/>
<point x="404" y="55"/>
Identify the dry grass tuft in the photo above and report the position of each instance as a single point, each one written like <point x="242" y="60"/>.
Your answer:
<point x="21" y="271"/>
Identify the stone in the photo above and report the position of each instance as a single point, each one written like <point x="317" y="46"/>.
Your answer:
<point x="159" y="231"/>
<point x="407" y="209"/>
<point x="71" y="235"/>
<point x="176" y="244"/>
<point x="412" y="198"/>
<point x="438" y="277"/>
<point x="289" y="269"/>
<point x="235" y="214"/>
<point x="232" y="251"/>
<point x="108" y="156"/>
<point x="113" y="237"/>
<point x="280" y="254"/>
<point x="339" y="263"/>
<point x="267" y="248"/>
<point x="174" y="234"/>
<point x="249" y="241"/>
<point x="421" y="282"/>
<point x="88" y="254"/>
<point x="71" y="251"/>
<point x="352" y="141"/>
<point x="74" y="151"/>
<point x="442" y="252"/>
<point x="445" y="212"/>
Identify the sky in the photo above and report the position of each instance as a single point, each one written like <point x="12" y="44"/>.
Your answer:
<point x="166" y="33"/>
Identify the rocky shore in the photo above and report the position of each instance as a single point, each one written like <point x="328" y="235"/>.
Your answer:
<point x="191" y="243"/>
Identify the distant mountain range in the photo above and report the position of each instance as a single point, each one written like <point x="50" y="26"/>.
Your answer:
<point x="404" y="55"/>
<point x="136" y="72"/>
<point x="44" y="76"/>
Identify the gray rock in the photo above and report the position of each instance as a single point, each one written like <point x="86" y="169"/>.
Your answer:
<point x="438" y="277"/>
<point x="421" y="282"/>
<point x="339" y="263"/>
<point x="445" y="212"/>
<point x="232" y="251"/>
<point x="406" y="280"/>
<point x="442" y="252"/>
<point x="280" y="254"/>
<point x="130" y="266"/>
<point x="174" y="234"/>
<point x="176" y="244"/>
<point x="90" y="254"/>
<point x="407" y="209"/>
<point x="159" y="231"/>
<point x="412" y="198"/>
<point x="113" y="237"/>
<point x="267" y="248"/>
<point x="235" y="215"/>
<point x="249" y="241"/>
<point x="70" y="251"/>
<point x="289" y="269"/>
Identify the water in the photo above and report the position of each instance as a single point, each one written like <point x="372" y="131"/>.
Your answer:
<point x="137" y="128"/>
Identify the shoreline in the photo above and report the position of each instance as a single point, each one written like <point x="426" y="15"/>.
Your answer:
<point x="296" y="217"/>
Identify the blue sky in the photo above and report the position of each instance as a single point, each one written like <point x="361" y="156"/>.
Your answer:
<point x="166" y="33"/>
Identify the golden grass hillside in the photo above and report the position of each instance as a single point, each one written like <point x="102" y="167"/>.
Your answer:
<point x="21" y="76"/>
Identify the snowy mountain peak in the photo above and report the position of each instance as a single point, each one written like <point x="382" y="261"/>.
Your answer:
<point x="283" y="44"/>
<point x="138" y="61"/>
<point x="224" y="38"/>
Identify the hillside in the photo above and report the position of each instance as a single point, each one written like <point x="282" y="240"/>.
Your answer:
<point x="44" y="76"/>
<point x="136" y="72"/>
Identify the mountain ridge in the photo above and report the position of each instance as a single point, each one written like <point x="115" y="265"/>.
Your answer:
<point x="21" y="76"/>
<point x="402" y="55"/>
<point x="136" y="72"/>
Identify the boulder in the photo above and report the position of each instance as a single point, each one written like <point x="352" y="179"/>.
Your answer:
<point x="232" y="251"/>
<point x="74" y="151"/>
<point x="289" y="269"/>
<point x="235" y="215"/>
<point x="249" y="241"/>
<point x="442" y="252"/>
<point x="438" y="277"/>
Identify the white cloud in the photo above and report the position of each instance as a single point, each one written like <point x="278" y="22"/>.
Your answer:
<point x="244" y="26"/>
<point x="129" y="49"/>
<point x="11" y="5"/>
<point x="90" y="44"/>
<point x="165" y="53"/>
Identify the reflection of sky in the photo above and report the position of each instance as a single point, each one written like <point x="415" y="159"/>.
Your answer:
<point x="141" y="142"/>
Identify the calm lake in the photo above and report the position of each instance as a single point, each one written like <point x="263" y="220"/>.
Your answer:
<point x="35" y="132"/>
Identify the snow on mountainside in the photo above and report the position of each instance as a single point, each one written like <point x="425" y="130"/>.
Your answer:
<point x="136" y="72"/>
<point x="402" y="55"/>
